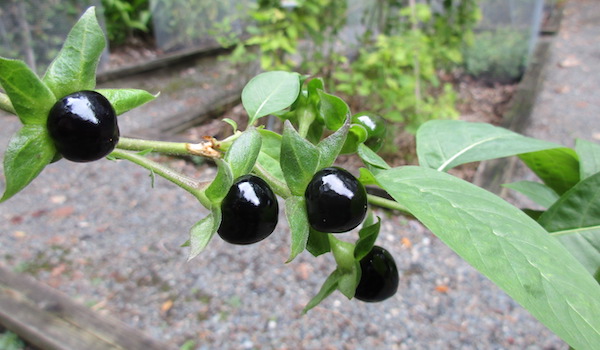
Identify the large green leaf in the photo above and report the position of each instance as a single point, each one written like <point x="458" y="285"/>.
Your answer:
<point x="29" y="151"/>
<point x="505" y="245"/>
<point x="444" y="144"/>
<point x="74" y="69"/>
<point x="270" y="92"/>
<point x="31" y="99"/>
<point x="299" y="159"/>
<point x="124" y="100"/>
<point x="558" y="168"/>
<point x="575" y="220"/>
<point x="589" y="157"/>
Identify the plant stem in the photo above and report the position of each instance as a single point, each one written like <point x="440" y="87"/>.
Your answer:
<point x="172" y="148"/>
<point x="387" y="203"/>
<point x="192" y="186"/>
<point x="278" y="186"/>
<point x="6" y="105"/>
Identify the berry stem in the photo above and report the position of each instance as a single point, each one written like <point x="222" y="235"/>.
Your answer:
<point x="196" y="188"/>
<point x="205" y="149"/>
<point x="6" y="105"/>
<point x="387" y="203"/>
<point x="279" y="187"/>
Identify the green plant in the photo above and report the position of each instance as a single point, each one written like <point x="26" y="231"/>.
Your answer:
<point x="546" y="264"/>
<point x="83" y="126"/>
<point x="126" y="17"/>
<point x="335" y="201"/>
<point x="499" y="55"/>
<point x="11" y="341"/>
<point x="375" y="126"/>
<point x="379" y="276"/>
<point x="249" y="211"/>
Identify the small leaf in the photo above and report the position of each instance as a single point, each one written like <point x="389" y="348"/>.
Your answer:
<point x="328" y="287"/>
<point x="537" y="192"/>
<point x="330" y="147"/>
<point x="366" y="177"/>
<point x="505" y="245"/>
<point x="371" y="158"/>
<point x="31" y="99"/>
<point x="270" y="152"/>
<point x="243" y="152"/>
<point x="299" y="159"/>
<point x="333" y="110"/>
<point x="29" y="150"/>
<point x="444" y="144"/>
<point x="232" y="123"/>
<point x="356" y="135"/>
<point x="74" y="69"/>
<point x="367" y="237"/>
<point x="124" y="100"/>
<point x="349" y="281"/>
<point x="295" y="212"/>
<point x="270" y="92"/>
<point x="221" y="184"/>
<point x="558" y="168"/>
<point x="318" y="243"/>
<point x="575" y="220"/>
<point x="203" y="231"/>
<point x="589" y="157"/>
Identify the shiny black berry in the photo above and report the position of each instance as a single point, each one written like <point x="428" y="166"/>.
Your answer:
<point x="83" y="126"/>
<point x="335" y="201"/>
<point x="379" y="276"/>
<point x="249" y="211"/>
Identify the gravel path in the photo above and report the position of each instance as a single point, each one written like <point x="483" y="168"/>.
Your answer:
<point x="103" y="235"/>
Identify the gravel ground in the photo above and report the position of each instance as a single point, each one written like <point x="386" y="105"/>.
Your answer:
<point x="103" y="235"/>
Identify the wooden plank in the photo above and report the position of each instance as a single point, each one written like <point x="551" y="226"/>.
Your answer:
<point x="50" y="320"/>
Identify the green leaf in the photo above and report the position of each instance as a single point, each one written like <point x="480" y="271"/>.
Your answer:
<point x="29" y="150"/>
<point x="575" y="220"/>
<point x="330" y="147"/>
<point x="31" y="99"/>
<point x="299" y="159"/>
<point x="219" y="187"/>
<point x="537" y="192"/>
<point x="444" y="144"/>
<point x="333" y="110"/>
<point x="589" y="157"/>
<point x="270" y="92"/>
<point x="269" y="154"/>
<point x="366" y="177"/>
<point x="124" y="100"/>
<point x="318" y="243"/>
<point x="371" y="158"/>
<point x="328" y="287"/>
<point x="243" y="152"/>
<point x="558" y="168"/>
<point x="203" y="231"/>
<point x="295" y="212"/>
<point x="356" y="135"/>
<point x="349" y="281"/>
<point x="505" y="245"/>
<point x="367" y="237"/>
<point x="74" y="69"/>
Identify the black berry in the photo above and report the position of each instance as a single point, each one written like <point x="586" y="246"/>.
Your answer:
<point x="249" y="211"/>
<point x="83" y="126"/>
<point x="379" y="277"/>
<point x="335" y="201"/>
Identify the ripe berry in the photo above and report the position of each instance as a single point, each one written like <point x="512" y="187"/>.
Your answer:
<point x="379" y="276"/>
<point x="249" y="211"/>
<point x="335" y="201"/>
<point x="375" y="126"/>
<point x="83" y="126"/>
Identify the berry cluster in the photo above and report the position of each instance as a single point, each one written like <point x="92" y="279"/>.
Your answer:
<point x="83" y="127"/>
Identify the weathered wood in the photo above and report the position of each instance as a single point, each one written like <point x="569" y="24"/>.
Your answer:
<point x="50" y="320"/>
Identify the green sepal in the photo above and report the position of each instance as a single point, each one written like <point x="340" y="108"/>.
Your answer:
<point x="370" y="158"/>
<point x="74" y="68"/>
<point x="356" y="135"/>
<point x="30" y="97"/>
<point x="219" y="187"/>
<point x="318" y="243"/>
<point x="333" y="110"/>
<point x="299" y="159"/>
<point x="328" y="287"/>
<point x="124" y="100"/>
<point x="295" y="212"/>
<point x="203" y="231"/>
<point x="330" y="147"/>
<point x="270" y="151"/>
<point x="367" y="237"/>
<point x="29" y="150"/>
<point x="243" y="152"/>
